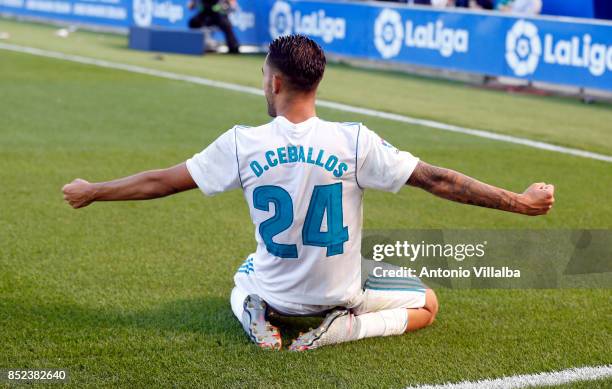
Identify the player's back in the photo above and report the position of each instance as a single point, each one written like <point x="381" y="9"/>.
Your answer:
<point x="299" y="182"/>
<point x="304" y="185"/>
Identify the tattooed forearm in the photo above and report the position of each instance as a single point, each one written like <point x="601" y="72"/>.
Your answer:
<point x="458" y="187"/>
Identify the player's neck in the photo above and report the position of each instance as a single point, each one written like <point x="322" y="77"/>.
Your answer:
<point x="297" y="110"/>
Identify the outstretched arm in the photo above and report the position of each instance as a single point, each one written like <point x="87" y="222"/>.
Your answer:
<point x="142" y="186"/>
<point x="538" y="199"/>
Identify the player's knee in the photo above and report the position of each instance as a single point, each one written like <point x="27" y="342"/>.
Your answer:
<point x="431" y="304"/>
<point x="237" y="301"/>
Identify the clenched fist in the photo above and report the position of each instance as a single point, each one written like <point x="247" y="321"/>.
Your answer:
<point x="79" y="193"/>
<point x="538" y="199"/>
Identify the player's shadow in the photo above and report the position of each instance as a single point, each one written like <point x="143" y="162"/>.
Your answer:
<point x="213" y="316"/>
<point x="208" y="315"/>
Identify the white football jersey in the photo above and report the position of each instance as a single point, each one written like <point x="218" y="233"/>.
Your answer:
<point x="304" y="185"/>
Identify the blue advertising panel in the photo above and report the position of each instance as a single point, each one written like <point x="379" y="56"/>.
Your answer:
<point x="568" y="53"/>
<point x="244" y="21"/>
<point x="115" y="13"/>
<point x="127" y="13"/>
<point x="340" y="27"/>
<point x="558" y="51"/>
<point x="564" y="51"/>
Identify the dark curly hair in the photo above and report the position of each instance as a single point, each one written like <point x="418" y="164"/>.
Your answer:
<point x="300" y="59"/>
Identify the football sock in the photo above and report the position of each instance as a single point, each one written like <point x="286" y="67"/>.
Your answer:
<point x="350" y="327"/>
<point x="382" y="323"/>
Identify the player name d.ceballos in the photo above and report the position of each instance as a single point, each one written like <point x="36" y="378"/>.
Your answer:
<point x="298" y="154"/>
<point x="478" y="272"/>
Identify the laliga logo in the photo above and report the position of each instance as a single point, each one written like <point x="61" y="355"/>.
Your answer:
<point x="143" y="12"/>
<point x="315" y="24"/>
<point x="524" y="51"/>
<point x="242" y="20"/>
<point x="281" y="20"/>
<point x="391" y="33"/>
<point x="388" y="33"/>
<point x="523" y="48"/>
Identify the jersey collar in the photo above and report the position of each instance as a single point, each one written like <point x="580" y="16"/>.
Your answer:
<point x="285" y="122"/>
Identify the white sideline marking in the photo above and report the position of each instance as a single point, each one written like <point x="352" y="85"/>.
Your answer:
<point x="321" y="103"/>
<point x="587" y="373"/>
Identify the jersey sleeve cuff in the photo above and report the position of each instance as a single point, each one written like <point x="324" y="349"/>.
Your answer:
<point x="198" y="177"/>
<point x="408" y="165"/>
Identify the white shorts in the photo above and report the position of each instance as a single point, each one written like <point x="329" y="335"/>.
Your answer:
<point x="377" y="294"/>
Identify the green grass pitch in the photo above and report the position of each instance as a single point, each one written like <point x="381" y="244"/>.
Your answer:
<point x="137" y="294"/>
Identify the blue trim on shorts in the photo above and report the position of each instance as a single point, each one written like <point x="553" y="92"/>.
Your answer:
<point x="374" y="286"/>
<point x="421" y="290"/>
<point x="395" y="282"/>
<point x="247" y="266"/>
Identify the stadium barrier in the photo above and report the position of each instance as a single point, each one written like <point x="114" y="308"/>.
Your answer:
<point x="574" y="52"/>
<point x="166" y="40"/>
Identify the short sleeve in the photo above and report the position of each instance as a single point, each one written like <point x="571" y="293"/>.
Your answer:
<point x="380" y="165"/>
<point x="215" y="169"/>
